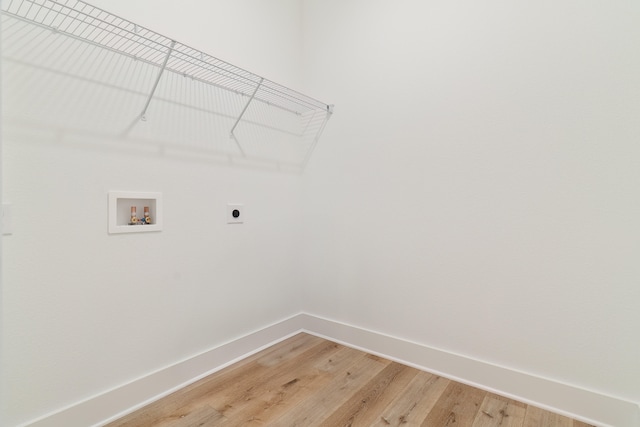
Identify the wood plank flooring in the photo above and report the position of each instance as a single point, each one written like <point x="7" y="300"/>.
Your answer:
<point x="309" y="381"/>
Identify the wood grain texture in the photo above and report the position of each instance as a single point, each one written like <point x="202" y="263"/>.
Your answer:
<point x="309" y="381"/>
<point x="500" y="411"/>
<point x="415" y="402"/>
<point x="364" y="407"/>
<point x="457" y="406"/>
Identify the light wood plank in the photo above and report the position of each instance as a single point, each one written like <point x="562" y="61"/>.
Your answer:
<point x="499" y="411"/>
<point x="242" y="394"/>
<point x="457" y="406"/>
<point x="344" y="384"/>
<point x="182" y="402"/>
<point x="366" y="406"/>
<point x="309" y="381"/>
<point x="415" y="402"/>
<point x="294" y="384"/>
<point x="200" y="416"/>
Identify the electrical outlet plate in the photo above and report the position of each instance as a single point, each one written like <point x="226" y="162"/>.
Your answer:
<point x="235" y="213"/>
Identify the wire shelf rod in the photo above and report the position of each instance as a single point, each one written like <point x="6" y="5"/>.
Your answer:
<point x="226" y="88"/>
<point x="212" y="67"/>
<point x="243" y="87"/>
<point x="244" y="110"/>
<point x="205" y="80"/>
<point x="267" y="87"/>
<point x="80" y="20"/>
<point x="70" y="52"/>
<point x="98" y="47"/>
<point x="155" y="85"/>
<point x="74" y="36"/>
<point x="46" y="15"/>
<point x="317" y="137"/>
<point x="240" y="118"/>
<point x="309" y="121"/>
<point x="138" y="40"/>
<point x="147" y="41"/>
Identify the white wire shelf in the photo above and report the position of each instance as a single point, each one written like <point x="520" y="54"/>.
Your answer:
<point x="73" y="40"/>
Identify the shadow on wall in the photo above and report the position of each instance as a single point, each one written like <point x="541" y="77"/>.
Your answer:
<point x="68" y="88"/>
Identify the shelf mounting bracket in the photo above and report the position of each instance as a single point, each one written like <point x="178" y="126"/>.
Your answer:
<point x="143" y="115"/>
<point x="253" y="95"/>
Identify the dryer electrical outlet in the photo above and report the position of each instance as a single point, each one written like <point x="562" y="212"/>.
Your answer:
<point x="235" y="213"/>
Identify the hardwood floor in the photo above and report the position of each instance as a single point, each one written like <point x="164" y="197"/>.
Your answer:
<point x="309" y="381"/>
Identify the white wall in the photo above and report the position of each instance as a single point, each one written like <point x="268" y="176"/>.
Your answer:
<point x="262" y="37"/>
<point x="474" y="192"/>
<point x="477" y="188"/>
<point x="2" y="230"/>
<point x="84" y="311"/>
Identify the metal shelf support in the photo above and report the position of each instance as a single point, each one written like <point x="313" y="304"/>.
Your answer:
<point x="53" y="36"/>
<point x="233" y="135"/>
<point x="143" y="115"/>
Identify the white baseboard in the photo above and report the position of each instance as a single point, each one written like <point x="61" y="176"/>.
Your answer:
<point x="113" y="404"/>
<point x="575" y="402"/>
<point x="585" y="405"/>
